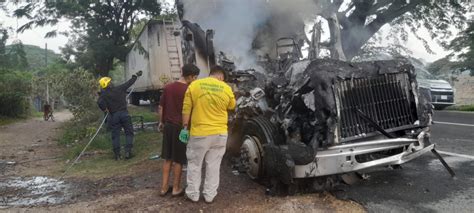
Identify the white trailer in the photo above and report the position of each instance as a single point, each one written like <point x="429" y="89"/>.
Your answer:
<point x="157" y="52"/>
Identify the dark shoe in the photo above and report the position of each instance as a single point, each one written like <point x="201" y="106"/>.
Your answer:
<point x="117" y="157"/>
<point x="180" y="193"/>
<point x="128" y="155"/>
<point x="164" y="193"/>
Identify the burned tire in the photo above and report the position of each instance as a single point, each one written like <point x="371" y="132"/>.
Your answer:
<point x="256" y="133"/>
<point x="135" y="99"/>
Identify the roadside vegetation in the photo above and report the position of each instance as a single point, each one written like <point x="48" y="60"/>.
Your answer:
<point x="24" y="75"/>
<point x="14" y="95"/>
<point x="467" y="108"/>
<point x="7" y="120"/>
<point x="98" y="159"/>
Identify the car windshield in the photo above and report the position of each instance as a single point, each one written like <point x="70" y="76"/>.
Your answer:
<point x="422" y="73"/>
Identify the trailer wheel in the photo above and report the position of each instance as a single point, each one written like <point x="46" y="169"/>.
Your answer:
<point x="135" y="99"/>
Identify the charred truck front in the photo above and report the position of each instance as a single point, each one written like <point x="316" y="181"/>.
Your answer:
<point x="301" y="119"/>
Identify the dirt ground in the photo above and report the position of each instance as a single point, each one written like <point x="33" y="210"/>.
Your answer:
<point x="32" y="145"/>
<point x="30" y="161"/>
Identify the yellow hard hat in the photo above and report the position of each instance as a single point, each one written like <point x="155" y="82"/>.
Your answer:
<point x="104" y="82"/>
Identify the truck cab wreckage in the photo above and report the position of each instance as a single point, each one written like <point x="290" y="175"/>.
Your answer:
<point x="320" y="119"/>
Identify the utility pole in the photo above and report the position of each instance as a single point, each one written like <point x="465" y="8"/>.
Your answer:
<point x="47" y="91"/>
<point x="45" y="54"/>
<point x="46" y="65"/>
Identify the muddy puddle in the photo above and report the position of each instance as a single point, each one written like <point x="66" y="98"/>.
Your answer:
<point x="33" y="191"/>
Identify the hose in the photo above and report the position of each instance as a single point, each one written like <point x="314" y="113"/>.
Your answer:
<point x="92" y="139"/>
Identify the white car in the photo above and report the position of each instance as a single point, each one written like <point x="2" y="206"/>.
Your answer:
<point x="442" y="93"/>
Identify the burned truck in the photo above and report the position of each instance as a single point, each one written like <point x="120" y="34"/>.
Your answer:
<point x="319" y="119"/>
<point x="327" y="117"/>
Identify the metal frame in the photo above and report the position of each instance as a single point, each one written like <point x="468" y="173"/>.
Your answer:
<point x="342" y="158"/>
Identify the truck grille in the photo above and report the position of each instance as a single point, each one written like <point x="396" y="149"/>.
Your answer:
<point x="385" y="99"/>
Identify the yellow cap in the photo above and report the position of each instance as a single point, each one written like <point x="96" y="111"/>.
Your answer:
<point x="104" y="82"/>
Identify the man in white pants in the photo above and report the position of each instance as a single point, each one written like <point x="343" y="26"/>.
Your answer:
<point x="208" y="101"/>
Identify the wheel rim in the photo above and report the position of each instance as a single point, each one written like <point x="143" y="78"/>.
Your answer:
<point x="251" y="156"/>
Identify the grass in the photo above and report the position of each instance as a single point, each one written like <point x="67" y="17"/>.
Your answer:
<point x="8" y="120"/>
<point x="467" y="108"/>
<point x="98" y="159"/>
<point x="36" y="114"/>
<point x="101" y="164"/>
<point x="143" y="111"/>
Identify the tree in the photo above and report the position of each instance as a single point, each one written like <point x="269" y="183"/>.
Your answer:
<point x="444" y="66"/>
<point x="17" y="56"/>
<point x="3" y="52"/>
<point x="360" y="20"/>
<point x="15" y="88"/>
<point x="101" y="28"/>
<point x="351" y="23"/>
<point x="12" y="56"/>
<point x="464" y="44"/>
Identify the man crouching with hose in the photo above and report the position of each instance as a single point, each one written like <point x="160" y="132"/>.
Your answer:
<point x="113" y="101"/>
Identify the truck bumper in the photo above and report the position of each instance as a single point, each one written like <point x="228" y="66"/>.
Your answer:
<point x="342" y="158"/>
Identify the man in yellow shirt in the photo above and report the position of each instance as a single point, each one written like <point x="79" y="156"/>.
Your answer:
<point x="208" y="101"/>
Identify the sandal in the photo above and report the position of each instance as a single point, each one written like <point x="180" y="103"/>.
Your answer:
<point x="180" y="193"/>
<point x="163" y="193"/>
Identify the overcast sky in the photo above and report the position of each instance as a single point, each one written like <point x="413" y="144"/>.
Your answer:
<point x="36" y="37"/>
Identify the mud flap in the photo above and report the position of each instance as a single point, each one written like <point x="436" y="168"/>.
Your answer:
<point x="278" y="164"/>
<point x="301" y="153"/>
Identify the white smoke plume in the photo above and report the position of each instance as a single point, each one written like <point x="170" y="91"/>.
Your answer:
<point x="246" y="27"/>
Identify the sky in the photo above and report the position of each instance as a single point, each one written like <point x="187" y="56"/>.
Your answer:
<point x="36" y="37"/>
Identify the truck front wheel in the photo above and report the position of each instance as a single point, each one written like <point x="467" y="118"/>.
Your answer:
<point x="256" y="133"/>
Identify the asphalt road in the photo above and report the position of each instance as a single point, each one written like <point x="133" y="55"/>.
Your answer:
<point x="423" y="185"/>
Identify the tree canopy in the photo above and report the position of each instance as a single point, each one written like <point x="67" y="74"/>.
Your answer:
<point x="358" y="21"/>
<point x="100" y="29"/>
<point x="14" y="85"/>
<point x="351" y="23"/>
<point x="443" y="66"/>
<point x="464" y="44"/>
<point x="12" y="56"/>
<point x="462" y="57"/>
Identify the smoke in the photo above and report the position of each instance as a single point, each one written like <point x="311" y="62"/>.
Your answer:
<point x="247" y="28"/>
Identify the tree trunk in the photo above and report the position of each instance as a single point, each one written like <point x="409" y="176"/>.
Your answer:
<point x="336" y="42"/>
<point x="356" y="32"/>
<point x="314" y="47"/>
<point x="103" y="67"/>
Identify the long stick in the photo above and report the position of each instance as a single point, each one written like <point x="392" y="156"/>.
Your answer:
<point x="451" y="172"/>
<point x="92" y="139"/>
